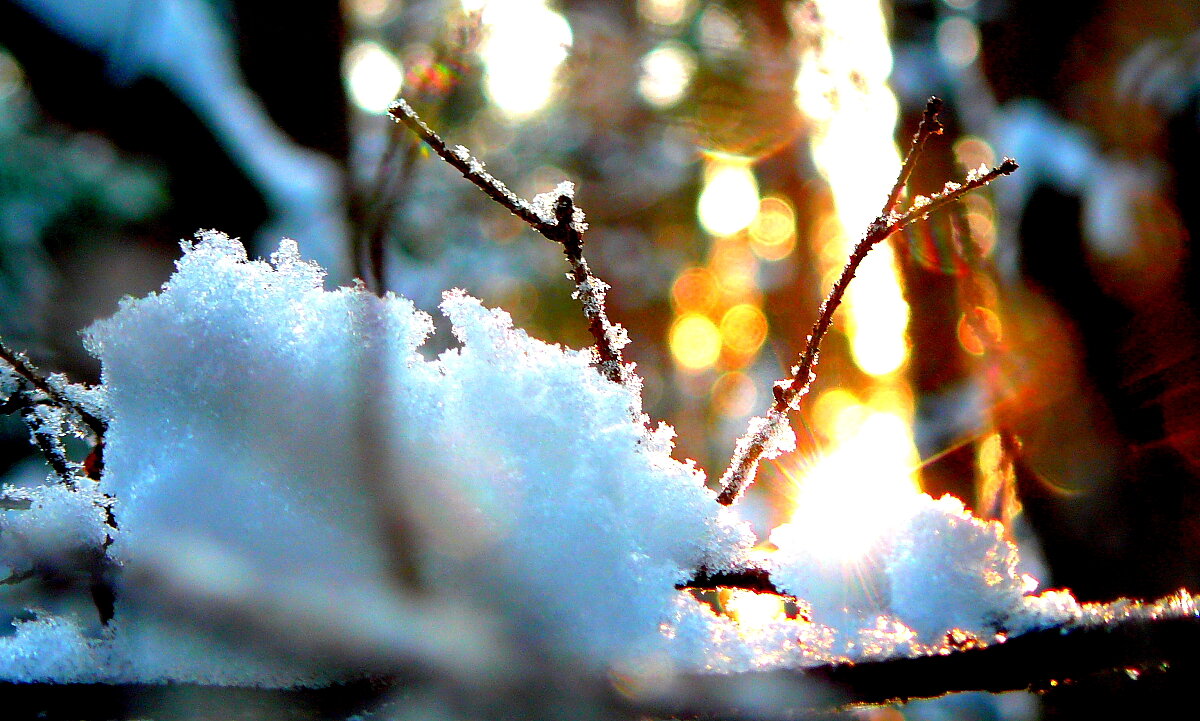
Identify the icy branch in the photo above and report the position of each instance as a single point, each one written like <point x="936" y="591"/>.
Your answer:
<point x="555" y="216"/>
<point x="930" y="125"/>
<point x="42" y="402"/>
<point x="762" y="439"/>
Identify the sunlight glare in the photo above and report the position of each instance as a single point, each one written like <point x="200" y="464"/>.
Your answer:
<point x="374" y="76"/>
<point x="695" y="341"/>
<point x="729" y="201"/>
<point x="524" y="44"/>
<point x="855" y="493"/>
<point x="666" y="72"/>
<point x="865" y="480"/>
<point x="878" y="315"/>
<point x="845" y="91"/>
<point x="753" y="610"/>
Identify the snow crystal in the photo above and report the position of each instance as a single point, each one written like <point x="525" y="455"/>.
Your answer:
<point x="702" y="640"/>
<point x="948" y="569"/>
<point x="241" y="396"/>
<point x="543" y="203"/>
<point x="975" y="174"/>
<point x="596" y="519"/>
<point x="51" y="649"/>
<point x="91" y="399"/>
<point x="9" y="382"/>
<point x="63" y="649"/>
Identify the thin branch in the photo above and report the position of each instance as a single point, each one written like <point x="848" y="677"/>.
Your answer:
<point x="930" y="125"/>
<point x="788" y="394"/>
<point x="556" y="218"/>
<point x="34" y="377"/>
<point x="1124" y="642"/>
<point x="471" y="168"/>
<point x="51" y="447"/>
<point x="39" y="391"/>
<point x="589" y="290"/>
<point x="1123" y="638"/>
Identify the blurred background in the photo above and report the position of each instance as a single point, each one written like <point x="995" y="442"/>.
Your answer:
<point x="728" y="155"/>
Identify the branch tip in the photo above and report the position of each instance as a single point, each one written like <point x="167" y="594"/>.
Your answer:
<point x="564" y="230"/>
<point x="787" y="394"/>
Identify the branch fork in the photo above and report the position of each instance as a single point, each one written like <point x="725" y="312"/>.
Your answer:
<point x="759" y="441"/>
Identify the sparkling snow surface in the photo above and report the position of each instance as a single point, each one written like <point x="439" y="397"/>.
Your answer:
<point x="273" y="447"/>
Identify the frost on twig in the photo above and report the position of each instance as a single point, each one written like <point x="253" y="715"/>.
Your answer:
<point x="53" y="408"/>
<point x="552" y="214"/>
<point x="768" y="436"/>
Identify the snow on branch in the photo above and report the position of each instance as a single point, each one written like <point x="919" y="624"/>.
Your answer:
<point x="768" y="436"/>
<point x="1125" y="637"/>
<point x="552" y="214"/>
<point x="1125" y="640"/>
<point x="49" y="405"/>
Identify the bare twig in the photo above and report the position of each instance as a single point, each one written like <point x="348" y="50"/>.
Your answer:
<point x="50" y="445"/>
<point x="788" y="393"/>
<point x="557" y="219"/>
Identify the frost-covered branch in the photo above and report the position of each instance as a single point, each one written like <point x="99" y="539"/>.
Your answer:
<point x="1124" y="638"/>
<point x="930" y="125"/>
<point x="25" y="369"/>
<point x="43" y="403"/>
<point x="764" y="436"/>
<point x="552" y="214"/>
